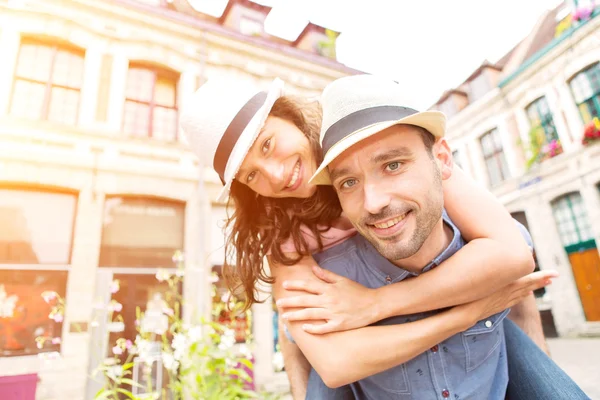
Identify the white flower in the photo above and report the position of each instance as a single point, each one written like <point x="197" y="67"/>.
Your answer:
<point x="117" y="350"/>
<point x="226" y="297"/>
<point x="169" y="362"/>
<point x="180" y="272"/>
<point x="48" y="296"/>
<point x="278" y="361"/>
<point x="227" y="339"/>
<point x="162" y="275"/>
<point x="214" y="278"/>
<point x="180" y="345"/>
<point x="245" y="352"/>
<point x="195" y="334"/>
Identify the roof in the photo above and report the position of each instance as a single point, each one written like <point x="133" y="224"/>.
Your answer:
<point x="450" y="92"/>
<point x="310" y="27"/>
<point x="185" y="14"/>
<point x="544" y="34"/>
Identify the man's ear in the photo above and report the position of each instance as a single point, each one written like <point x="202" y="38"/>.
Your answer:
<point x="443" y="157"/>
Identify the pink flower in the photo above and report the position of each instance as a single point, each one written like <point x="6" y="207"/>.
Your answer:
<point x="115" y="286"/>
<point x="48" y="296"/>
<point x="137" y="322"/>
<point x="56" y="317"/>
<point x="128" y="344"/>
<point x="56" y="340"/>
<point x="168" y="311"/>
<point x="115" y="306"/>
<point x="117" y="350"/>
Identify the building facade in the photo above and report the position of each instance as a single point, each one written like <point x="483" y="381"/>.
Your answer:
<point x="96" y="181"/>
<point x="517" y="126"/>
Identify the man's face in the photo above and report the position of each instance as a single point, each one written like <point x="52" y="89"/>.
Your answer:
<point x="390" y="187"/>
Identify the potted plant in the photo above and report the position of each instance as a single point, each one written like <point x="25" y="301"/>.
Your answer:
<point x="591" y="133"/>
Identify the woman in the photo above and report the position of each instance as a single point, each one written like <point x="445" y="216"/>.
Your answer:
<point x="265" y="148"/>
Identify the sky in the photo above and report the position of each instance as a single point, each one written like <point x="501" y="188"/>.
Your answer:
<point x="428" y="46"/>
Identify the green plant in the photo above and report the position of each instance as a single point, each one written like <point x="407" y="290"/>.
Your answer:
<point x="538" y="148"/>
<point x="201" y="359"/>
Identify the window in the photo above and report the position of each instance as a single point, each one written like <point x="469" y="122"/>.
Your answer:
<point x="37" y="227"/>
<point x="141" y="232"/>
<point x="47" y="82"/>
<point x="540" y="116"/>
<point x="250" y="26"/>
<point x="572" y="219"/>
<point x="448" y="107"/>
<point x="586" y="92"/>
<point x="151" y="103"/>
<point x="24" y="314"/>
<point x="479" y="86"/>
<point x="493" y="153"/>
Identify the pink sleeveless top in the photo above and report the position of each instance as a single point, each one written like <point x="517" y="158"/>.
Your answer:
<point x="340" y="230"/>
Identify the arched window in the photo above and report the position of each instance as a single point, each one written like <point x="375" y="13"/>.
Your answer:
<point x="151" y="103"/>
<point x="47" y="84"/>
<point x="585" y="87"/>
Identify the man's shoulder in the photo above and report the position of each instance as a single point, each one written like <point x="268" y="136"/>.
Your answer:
<point x="343" y="249"/>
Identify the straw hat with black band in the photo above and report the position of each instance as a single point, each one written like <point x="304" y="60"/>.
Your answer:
<point x="222" y="120"/>
<point x="360" y="106"/>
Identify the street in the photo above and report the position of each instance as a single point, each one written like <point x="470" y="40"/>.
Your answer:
<point x="580" y="358"/>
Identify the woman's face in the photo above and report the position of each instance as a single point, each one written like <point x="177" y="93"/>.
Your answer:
<point x="280" y="162"/>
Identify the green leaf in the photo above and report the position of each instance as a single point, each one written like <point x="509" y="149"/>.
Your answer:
<point x="126" y="393"/>
<point x="105" y="395"/>
<point x="131" y="382"/>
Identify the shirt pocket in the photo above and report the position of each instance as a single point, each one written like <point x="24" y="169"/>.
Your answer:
<point x="394" y="380"/>
<point x="483" y="339"/>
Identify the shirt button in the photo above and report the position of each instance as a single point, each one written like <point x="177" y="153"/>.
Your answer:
<point x="488" y="324"/>
<point x="445" y="393"/>
<point x="435" y="348"/>
<point x="388" y="279"/>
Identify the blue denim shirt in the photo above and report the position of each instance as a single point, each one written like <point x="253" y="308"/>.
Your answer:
<point x="469" y="365"/>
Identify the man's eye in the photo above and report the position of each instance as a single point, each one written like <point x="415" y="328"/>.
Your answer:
<point x="348" y="183"/>
<point x="250" y="176"/>
<point x="393" y="166"/>
<point x="266" y="145"/>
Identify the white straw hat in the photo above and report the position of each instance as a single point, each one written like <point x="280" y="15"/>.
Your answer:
<point x="357" y="107"/>
<point x="222" y="120"/>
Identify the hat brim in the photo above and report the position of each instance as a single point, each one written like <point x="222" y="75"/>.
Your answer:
<point x="433" y="121"/>
<point x="248" y="137"/>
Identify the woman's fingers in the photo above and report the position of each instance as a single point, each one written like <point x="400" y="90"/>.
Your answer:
<point x="314" y="287"/>
<point x="321" y="329"/>
<point x="304" y="301"/>
<point x="307" y="314"/>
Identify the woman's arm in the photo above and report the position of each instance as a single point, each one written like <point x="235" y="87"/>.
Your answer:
<point x="496" y="254"/>
<point x="334" y="355"/>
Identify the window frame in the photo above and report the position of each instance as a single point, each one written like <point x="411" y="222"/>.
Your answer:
<point x="158" y="72"/>
<point x="497" y="154"/>
<point x="56" y="47"/>
<point x="546" y="121"/>
<point x="594" y="99"/>
<point x="566" y="203"/>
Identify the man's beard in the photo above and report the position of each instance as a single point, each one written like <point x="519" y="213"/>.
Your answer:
<point x="396" y="248"/>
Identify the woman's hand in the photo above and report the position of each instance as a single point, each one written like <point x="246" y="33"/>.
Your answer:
<point x="506" y="297"/>
<point x="343" y="303"/>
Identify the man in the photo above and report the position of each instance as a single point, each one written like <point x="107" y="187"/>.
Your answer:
<point x="387" y="171"/>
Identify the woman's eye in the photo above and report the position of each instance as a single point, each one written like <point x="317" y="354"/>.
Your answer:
<point x="393" y="166"/>
<point x="250" y="177"/>
<point x="348" y="183"/>
<point x="266" y="145"/>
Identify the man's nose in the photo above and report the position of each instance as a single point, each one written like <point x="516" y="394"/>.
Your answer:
<point x="376" y="198"/>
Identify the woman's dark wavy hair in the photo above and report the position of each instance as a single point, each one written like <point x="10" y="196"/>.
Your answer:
<point x="260" y="225"/>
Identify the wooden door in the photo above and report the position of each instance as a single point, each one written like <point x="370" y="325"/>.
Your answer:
<point x="586" y="270"/>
